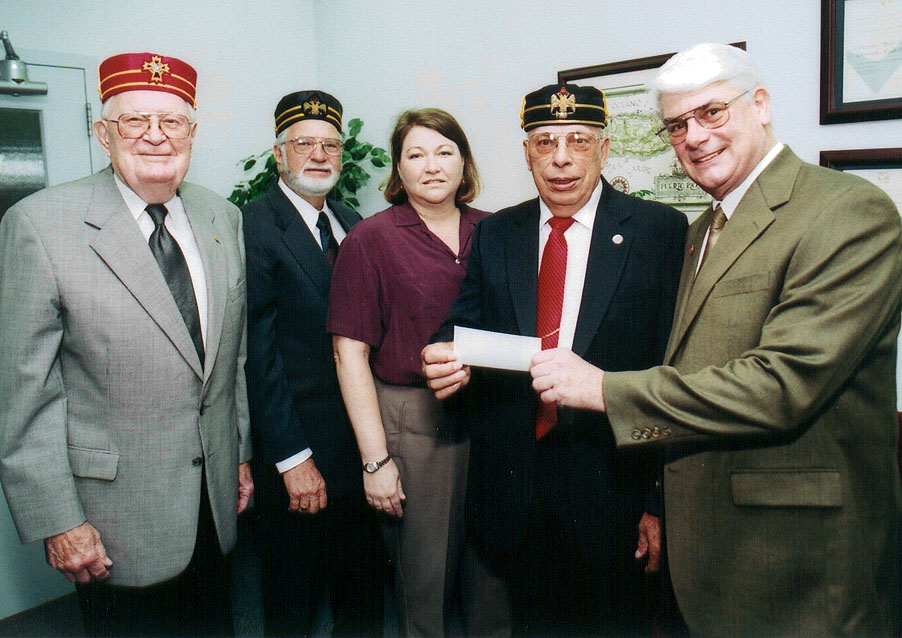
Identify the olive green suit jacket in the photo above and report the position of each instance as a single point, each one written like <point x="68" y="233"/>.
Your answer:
<point x="777" y="404"/>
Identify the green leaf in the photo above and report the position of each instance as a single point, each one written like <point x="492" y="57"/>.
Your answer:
<point x="354" y="126"/>
<point x="377" y="162"/>
<point x="249" y="164"/>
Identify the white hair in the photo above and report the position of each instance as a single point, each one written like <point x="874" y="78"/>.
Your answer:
<point x="107" y="108"/>
<point x="705" y="64"/>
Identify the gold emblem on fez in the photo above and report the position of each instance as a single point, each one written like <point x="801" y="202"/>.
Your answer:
<point x="314" y="107"/>
<point x="157" y="68"/>
<point x="563" y="104"/>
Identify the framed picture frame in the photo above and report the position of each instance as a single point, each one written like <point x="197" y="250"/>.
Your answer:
<point x="639" y="162"/>
<point x="861" y="61"/>
<point x="881" y="166"/>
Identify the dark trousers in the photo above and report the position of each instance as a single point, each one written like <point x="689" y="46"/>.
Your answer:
<point x="556" y="590"/>
<point x="337" y="550"/>
<point x="197" y="602"/>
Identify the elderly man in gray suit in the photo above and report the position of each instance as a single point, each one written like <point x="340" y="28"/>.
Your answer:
<point x="123" y="409"/>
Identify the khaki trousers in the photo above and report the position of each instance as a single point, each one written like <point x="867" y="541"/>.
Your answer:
<point x="425" y="545"/>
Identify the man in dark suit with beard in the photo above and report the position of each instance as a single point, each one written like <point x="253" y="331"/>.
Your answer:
<point x="317" y="531"/>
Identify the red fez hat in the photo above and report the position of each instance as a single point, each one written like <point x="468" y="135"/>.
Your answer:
<point x="147" y="72"/>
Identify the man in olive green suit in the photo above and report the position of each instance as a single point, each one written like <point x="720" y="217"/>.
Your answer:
<point x="776" y="402"/>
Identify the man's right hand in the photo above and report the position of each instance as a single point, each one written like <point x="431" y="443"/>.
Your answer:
<point x="306" y="488"/>
<point x="445" y="375"/>
<point x="78" y="554"/>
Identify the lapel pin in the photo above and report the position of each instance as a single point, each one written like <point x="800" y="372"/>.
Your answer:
<point x="691" y="249"/>
<point x="617" y="239"/>
<point x="216" y="238"/>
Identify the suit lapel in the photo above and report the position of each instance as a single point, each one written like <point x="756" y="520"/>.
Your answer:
<point x="694" y="238"/>
<point x="604" y="267"/>
<point x="522" y="251"/>
<point x="211" y="253"/>
<point x="298" y="240"/>
<point x="754" y="214"/>
<point x="345" y="216"/>
<point x="120" y="244"/>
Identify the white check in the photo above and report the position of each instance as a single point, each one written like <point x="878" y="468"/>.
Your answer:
<point x="494" y="349"/>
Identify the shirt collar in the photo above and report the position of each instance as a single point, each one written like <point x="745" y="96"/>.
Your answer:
<point x="135" y="204"/>
<point x="585" y="215"/>
<point x="731" y="201"/>
<point x="406" y="215"/>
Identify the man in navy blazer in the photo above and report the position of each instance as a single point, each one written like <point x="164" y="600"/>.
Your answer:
<point x="557" y="514"/>
<point x="317" y="532"/>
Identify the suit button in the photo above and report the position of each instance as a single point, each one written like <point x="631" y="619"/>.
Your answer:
<point x="197" y="461"/>
<point x="636" y="434"/>
<point x="203" y="409"/>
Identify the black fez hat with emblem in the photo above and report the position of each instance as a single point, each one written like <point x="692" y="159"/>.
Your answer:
<point x="307" y="105"/>
<point x="564" y="104"/>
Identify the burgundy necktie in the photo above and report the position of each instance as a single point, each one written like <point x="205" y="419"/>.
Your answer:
<point x="552" y="274"/>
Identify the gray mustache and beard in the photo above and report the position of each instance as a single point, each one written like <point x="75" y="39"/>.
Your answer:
<point x="313" y="186"/>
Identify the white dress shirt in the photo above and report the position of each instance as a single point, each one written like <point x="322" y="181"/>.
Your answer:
<point x="579" y="240"/>
<point x="179" y="227"/>
<point x="310" y="216"/>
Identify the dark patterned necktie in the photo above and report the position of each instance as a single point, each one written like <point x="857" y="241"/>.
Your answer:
<point x="552" y="275"/>
<point x="175" y="271"/>
<point x="326" y="238"/>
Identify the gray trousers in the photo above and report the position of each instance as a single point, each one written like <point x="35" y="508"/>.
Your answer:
<point x="425" y="546"/>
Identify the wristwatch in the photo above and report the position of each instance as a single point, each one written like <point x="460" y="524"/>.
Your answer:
<point x="372" y="466"/>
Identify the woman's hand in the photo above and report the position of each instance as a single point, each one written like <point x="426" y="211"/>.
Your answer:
<point x="384" y="491"/>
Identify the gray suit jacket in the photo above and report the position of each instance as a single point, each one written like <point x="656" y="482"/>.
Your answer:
<point x="777" y="403"/>
<point x="105" y="411"/>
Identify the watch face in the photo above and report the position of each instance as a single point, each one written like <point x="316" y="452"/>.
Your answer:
<point x="371" y="467"/>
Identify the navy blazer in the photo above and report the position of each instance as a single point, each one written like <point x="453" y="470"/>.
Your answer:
<point x="293" y="393"/>
<point x="623" y="324"/>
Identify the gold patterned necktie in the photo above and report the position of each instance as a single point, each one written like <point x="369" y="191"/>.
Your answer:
<point x="717" y="224"/>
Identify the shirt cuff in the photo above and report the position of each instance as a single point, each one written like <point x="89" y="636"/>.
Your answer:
<point x="294" y="461"/>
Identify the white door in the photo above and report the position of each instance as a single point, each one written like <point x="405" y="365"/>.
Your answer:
<point x="27" y="579"/>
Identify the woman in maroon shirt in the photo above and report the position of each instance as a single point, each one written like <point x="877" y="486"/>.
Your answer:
<point x="396" y="276"/>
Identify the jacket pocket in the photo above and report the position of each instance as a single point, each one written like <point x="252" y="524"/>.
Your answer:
<point x="786" y="488"/>
<point x="94" y="464"/>
<point x="741" y="285"/>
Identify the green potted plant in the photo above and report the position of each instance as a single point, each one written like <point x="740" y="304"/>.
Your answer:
<point x="355" y="155"/>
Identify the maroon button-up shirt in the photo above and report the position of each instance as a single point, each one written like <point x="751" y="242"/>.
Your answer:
<point x="393" y="285"/>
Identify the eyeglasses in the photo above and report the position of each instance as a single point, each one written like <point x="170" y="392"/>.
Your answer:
<point x="306" y="145"/>
<point x="711" y="115"/>
<point x="547" y="143"/>
<point x="133" y="126"/>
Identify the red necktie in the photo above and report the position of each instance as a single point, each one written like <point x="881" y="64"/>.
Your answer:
<point x="552" y="274"/>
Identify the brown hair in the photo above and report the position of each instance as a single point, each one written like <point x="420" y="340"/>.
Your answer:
<point x="441" y="122"/>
